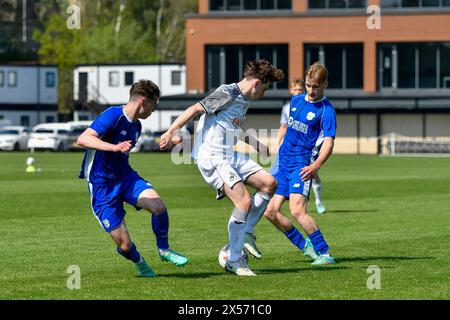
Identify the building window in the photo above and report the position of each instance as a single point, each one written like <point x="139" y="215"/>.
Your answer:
<point x="50" y="79"/>
<point x="414" y="65"/>
<point x="414" y="3"/>
<point x="129" y="78"/>
<point x="337" y="4"/>
<point x="247" y="5"/>
<point x="49" y="119"/>
<point x="225" y="64"/>
<point x="113" y="78"/>
<point x="176" y="78"/>
<point x="12" y="78"/>
<point x="343" y="61"/>
<point x="2" y="78"/>
<point x="25" y="121"/>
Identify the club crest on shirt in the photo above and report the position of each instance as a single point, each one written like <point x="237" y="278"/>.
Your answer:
<point x="237" y="122"/>
<point x="293" y="109"/>
<point x="123" y="132"/>
<point x="310" y="116"/>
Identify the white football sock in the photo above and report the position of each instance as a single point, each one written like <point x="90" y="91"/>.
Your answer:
<point x="260" y="200"/>
<point x="317" y="187"/>
<point x="236" y="233"/>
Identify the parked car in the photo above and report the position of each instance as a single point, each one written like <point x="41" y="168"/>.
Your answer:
<point x="149" y="140"/>
<point x="74" y="133"/>
<point x="50" y="136"/>
<point x="14" y="138"/>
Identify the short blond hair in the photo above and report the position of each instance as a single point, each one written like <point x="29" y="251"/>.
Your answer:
<point x="298" y="81"/>
<point x="317" y="72"/>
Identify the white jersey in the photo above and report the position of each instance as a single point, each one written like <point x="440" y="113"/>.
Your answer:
<point x="219" y="128"/>
<point x="284" y="120"/>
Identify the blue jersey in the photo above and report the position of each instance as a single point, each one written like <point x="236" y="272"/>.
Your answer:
<point x="308" y="125"/>
<point x="106" y="167"/>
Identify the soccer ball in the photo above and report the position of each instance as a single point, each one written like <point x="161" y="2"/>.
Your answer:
<point x="30" y="161"/>
<point x="224" y="255"/>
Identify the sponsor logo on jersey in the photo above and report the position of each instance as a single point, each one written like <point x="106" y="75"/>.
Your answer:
<point x="310" y="116"/>
<point x="294" y="109"/>
<point x="297" y="125"/>
<point x="123" y="132"/>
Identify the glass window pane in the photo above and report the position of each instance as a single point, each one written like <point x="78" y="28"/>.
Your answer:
<point x="248" y="53"/>
<point x="129" y="78"/>
<point x="2" y="78"/>
<point x="427" y="66"/>
<point x="357" y="4"/>
<point x="430" y="3"/>
<point x="336" y="3"/>
<point x="446" y="3"/>
<point x="284" y="4"/>
<point x="50" y="79"/>
<point x="213" y="69"/>
<point x="12" y="78"/>
<point x="386" y="65"/>
<point x="250" y="4"/>
<point x="216" y="5"/>
<point x="314" y="4"/>
<point x="406" y="66"/>
<point x="233" y="72"/>
<point x="282" y="63"/>
<point x="267" y="4"/>
<point x="176" y="78"/>
<point x="355" y="66"/>
<point x="333" y="61"/>
<point x="266" y="52"/>
<point x="113" y="79"/>
<point x="233" y="5"/>
<point x="445" y="65"/>
<point x="410" y="3"/>
<point x="390" y="3"/>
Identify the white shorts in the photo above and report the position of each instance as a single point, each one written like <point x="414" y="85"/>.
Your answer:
<point x="218" y="171"/>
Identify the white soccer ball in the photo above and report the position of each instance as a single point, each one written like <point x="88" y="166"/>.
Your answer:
<point x="30" y="161"/>
<point x="224" y="255"/>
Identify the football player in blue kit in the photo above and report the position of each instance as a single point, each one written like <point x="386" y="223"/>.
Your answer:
<point x="307" y="145"/>
<point x="112" y="181"/>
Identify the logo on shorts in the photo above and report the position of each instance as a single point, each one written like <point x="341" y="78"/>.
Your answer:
<point x="297" y="185"/>
<point x="232" y="176"/>
<point x="310" y="116"/>
<point x="106" y="223"/>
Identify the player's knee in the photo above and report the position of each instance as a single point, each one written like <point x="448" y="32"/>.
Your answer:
<point x="246" y="203"/>
<point x="270" y="186"/>
<point x="298" y="212"/>
<point x="125" y="245"/>
<point x="270" y="214"/>
<point x="159" y="209"/>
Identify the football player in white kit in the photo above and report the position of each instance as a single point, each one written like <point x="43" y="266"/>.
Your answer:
<point x="223" y="113"/>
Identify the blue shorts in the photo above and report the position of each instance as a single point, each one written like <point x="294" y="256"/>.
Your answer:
<point x="107" y="200"/>
<point x="289" y="180"/>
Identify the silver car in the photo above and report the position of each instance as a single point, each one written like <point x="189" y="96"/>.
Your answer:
<point x="14" y="138"/>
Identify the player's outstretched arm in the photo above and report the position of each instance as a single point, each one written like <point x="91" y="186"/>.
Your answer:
<point x="183" y="118"/>
<point x="281" y="134"/>
<point x="310" y="171"/>
<point x="90" y="139"/>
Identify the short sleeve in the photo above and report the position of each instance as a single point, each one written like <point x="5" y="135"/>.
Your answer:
<point x="104" y="122"/>
<point x="329" y="122"/>
<point x="284" y="119"/>
<point x="216" y="101"/>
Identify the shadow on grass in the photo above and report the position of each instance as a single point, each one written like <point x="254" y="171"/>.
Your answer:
<point x="296" y="270"/>
<point x="353" y="259"/>
<point x="350" y="211"/>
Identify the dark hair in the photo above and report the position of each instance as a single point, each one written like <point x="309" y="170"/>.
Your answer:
<point x="145" y="88"/>
<point x="263" y="70"/>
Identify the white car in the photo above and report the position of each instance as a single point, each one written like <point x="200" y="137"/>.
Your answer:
<point x="14" y="138"/>
<point x="50" y="136"/>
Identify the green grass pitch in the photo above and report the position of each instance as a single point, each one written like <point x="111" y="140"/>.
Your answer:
<point x="393" y="213"/>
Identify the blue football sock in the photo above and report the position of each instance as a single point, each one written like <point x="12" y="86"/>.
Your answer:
<point x="132" y="255"/>
<point x="296" y="238"/>
<point x="318" y="242"/>
<point x="160" y="226"/>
